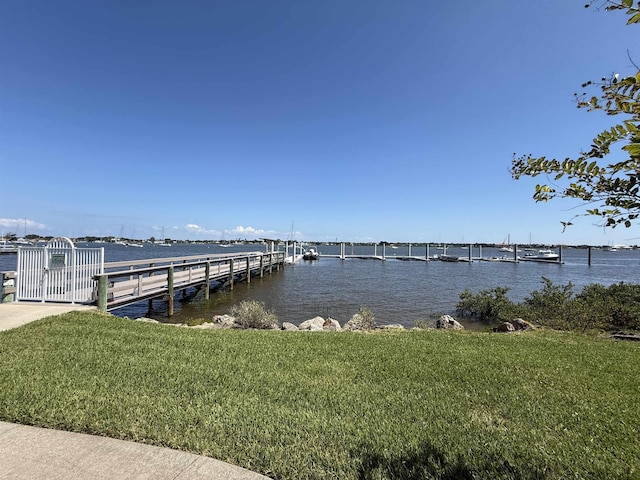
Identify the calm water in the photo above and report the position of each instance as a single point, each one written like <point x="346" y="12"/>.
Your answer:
<point x="396" y="291"/>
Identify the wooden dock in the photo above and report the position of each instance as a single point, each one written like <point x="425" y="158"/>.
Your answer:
<point x="466" y="257"/>
<point x="125" y="283"/>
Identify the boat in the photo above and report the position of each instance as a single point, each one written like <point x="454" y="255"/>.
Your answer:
<point x="8" y="248"/>
<point x="163" y="242"/>
<point x="448" y="258"/>
<point x="311" y="254"/>
<point x="506" y="245"/>
<point x="545" y="255"/>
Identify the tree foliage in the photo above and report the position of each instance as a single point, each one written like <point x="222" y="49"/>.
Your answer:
<point x="610" y="191"/>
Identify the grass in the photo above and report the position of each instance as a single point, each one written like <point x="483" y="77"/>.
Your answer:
<point x="413" y="404"/>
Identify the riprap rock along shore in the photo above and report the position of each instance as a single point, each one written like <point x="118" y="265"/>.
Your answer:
<point x="357" y="323"/>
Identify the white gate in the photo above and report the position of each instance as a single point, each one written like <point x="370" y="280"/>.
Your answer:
<point x="58" y="272"/>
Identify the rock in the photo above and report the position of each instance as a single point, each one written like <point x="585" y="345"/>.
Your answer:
<point x="520" y="324"/>
<point x="315" y="323"/>
<point x="205" y="326"/>
<point x="331" y="325"/>
<point x="357" y="323"/>
<point x="148" y="320"/>
<point x="224" y="321"/>
<point x="505" y="328"/>
<point x="393" y="326"/>
<point x="289" y="327"/>
<point x="448" y="322"/>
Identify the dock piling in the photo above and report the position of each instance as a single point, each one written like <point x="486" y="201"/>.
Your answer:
<point x="207" y="280"/>
<point x="103" y="281"/>
<point x="170" y="292"/>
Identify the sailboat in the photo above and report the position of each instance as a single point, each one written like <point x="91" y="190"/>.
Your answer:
<point x="506" y="247"/>
<point x="163" y="242"/>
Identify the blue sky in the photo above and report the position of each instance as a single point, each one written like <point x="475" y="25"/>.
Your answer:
<point x="349" y="120"/>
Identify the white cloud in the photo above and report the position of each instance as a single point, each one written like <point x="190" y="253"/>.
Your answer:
<point x="194" y="229"/>
<point x="19" y="224"/>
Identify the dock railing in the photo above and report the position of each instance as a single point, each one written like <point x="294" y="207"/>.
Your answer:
<point x="124" y="283"/>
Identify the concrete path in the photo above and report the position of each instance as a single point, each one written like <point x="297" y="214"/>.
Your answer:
<point x="39" y="453"/>
<point x="16" y="314"/>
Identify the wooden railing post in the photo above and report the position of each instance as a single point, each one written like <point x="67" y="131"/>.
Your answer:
<point x="103" y="281"/>
<point x="248" y="269"/>
<point x="150" y="303"/>
<point x="261" y="266"/>
<point x="231" y="273"/>
<point x="170" y="290"/>
<point x="207" y="276"/>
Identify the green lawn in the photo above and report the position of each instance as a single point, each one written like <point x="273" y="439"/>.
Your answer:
<point x="296" y="405"/>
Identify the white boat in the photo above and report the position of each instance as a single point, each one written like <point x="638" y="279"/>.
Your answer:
<point x="542" y="255"/>
<point x="311" y="254"/>
<point x="448" y="258"/>
<point x="163" y="242"/>
<point x="8" y="248"/>
<point x="505" y="249"/>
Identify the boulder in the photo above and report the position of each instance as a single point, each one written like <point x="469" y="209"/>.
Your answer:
<point x="224" y="321"/>
<point x="331" y="325"/>
<point x="289" y="327"/>
<point x="520" y="324"/>
<point x="357" y="323"/>
<point x="448" y="322"/>
<point x="315" y="323"/>
<point x="393" y="326"/>
<point x="505" y="328"/>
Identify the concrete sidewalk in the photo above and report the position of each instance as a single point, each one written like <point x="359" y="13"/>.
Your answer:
<point x="39" y="453"/>
<point x="16" y="314"/>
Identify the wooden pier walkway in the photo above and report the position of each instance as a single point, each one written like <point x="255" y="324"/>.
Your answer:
<point x="125" y="283"/>
<point x="466" y="257"/>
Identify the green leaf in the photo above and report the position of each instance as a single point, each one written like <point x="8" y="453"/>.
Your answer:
<point x="634" y="19"/>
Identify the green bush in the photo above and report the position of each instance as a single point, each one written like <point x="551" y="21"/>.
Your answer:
<point x="611" y="308"/>
<point x="421" y="324"/>
<point x="490" y="305"/>
<point x="253" y="314"/>
<point x="550" y="306"/>
<point x="616" y="307"/>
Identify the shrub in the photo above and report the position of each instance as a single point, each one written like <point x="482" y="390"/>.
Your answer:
<point x="551" y="305"/>
<point x="367" y="317"/>
<point x="490" y="305"/>
<point x="613" y="307"/>
<point x="616" y="307"/>
<point x="253" y="314"/>
<point x="421" y="324"/>
<point x="362" y="320"/>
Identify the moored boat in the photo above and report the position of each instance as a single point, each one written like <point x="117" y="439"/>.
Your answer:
<point x="543" y="255"/>
<point x="311" y="254"/>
